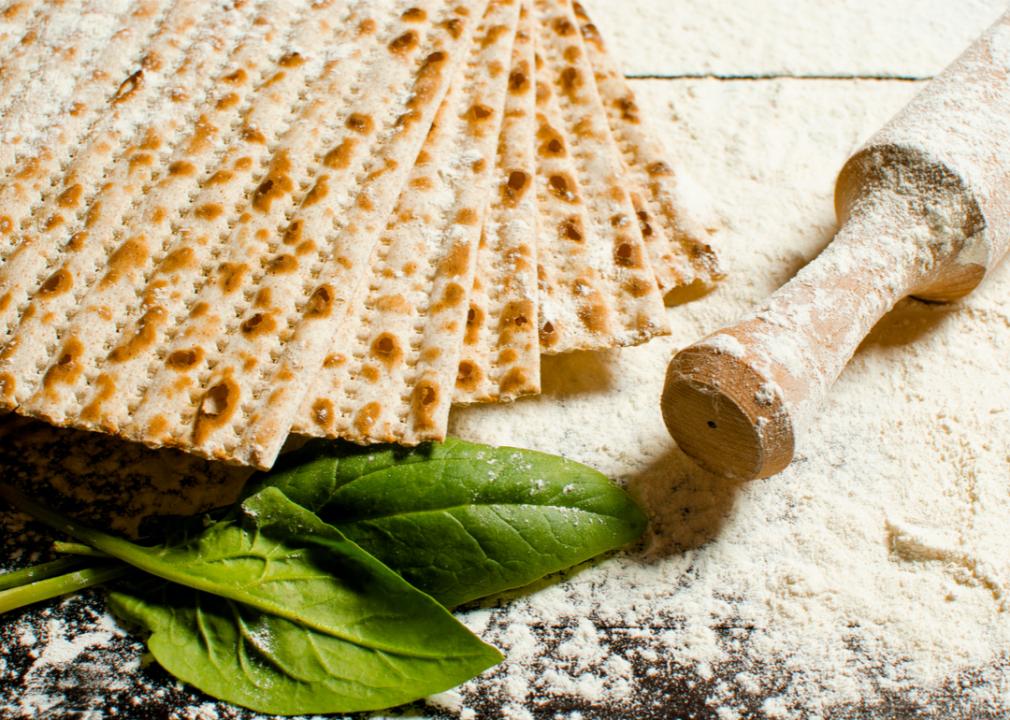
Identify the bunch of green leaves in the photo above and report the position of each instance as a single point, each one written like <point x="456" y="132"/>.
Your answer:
<point x="326" y="588"/>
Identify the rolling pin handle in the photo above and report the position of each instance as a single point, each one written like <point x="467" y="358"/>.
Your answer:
<point x="737" y="401"/>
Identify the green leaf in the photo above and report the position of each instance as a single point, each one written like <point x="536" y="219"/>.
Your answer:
<point x="279" y="612"/>
<point x="458" y="520"/>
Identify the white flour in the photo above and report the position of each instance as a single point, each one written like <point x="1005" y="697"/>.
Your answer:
<point x="785" y="37"/>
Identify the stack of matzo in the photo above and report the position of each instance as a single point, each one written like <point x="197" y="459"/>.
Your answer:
<point x="223" y="222"/>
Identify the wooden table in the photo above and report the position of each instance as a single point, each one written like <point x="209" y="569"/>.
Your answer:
<point x="762" y="101"/>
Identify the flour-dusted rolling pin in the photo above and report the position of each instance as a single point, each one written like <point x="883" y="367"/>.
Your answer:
<point x="924" y="209"/>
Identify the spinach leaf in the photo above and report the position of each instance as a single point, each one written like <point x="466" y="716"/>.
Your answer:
<point x="275" y="610"/>
<point x="458" y="520"/>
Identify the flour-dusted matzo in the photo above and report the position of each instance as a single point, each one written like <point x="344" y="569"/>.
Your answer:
<point x="54" y="135"/>
<point x="171" y="229"/>
<point x="325" y="199"/>
<point x="218" y="223"/>
<point x="501" y="348"/>
<point x="49" y="90"/>
<point x="62" y="92"/>
<point x="53" y="38"/>
<point x="336" y="276"/>
<point x="19" y="20"/>
<point x="395" y="360"/>
<point x="679" y="244"/>
<point x="67" y="240"/>
<point x="230" y="305"/>
<point x="87" y="123"/>
<point x="597" y="285"/>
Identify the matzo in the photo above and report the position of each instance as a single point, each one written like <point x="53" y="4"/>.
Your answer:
<point x="18" y="20"/>
<point x="207" y="206"/>
<point x="392" y="367"/>
<point x="28" y="167"/>
<point x="597" y="285"/>
<point x="169" y="230"/>
<point x="70" y="234"/>
<point x="290" y="305"/>
<point x="501" y="350"/>
<point x="52" y="136"/>
<point x="198" y="209"/>
<point x="49" y="88"/>
<point x="680" y="245"/>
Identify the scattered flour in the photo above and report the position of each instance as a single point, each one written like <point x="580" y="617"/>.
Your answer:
<point x="726" y="344"/>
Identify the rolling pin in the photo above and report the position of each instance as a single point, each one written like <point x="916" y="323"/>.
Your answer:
<point x="923" y="209"/>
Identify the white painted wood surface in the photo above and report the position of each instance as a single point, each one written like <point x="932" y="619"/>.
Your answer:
<point x="791" y="37"/>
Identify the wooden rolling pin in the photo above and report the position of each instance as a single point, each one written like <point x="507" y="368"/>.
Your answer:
<point x="924" y="210"/>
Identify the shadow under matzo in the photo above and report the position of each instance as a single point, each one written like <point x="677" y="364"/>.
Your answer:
<point x="108" y="482"/>
<point x="577" y="373"/>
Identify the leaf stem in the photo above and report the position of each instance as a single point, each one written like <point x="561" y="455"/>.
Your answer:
<point x="72" y="548"/>
<point x="28" y="575"/>
<point x="60" y="585"/>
